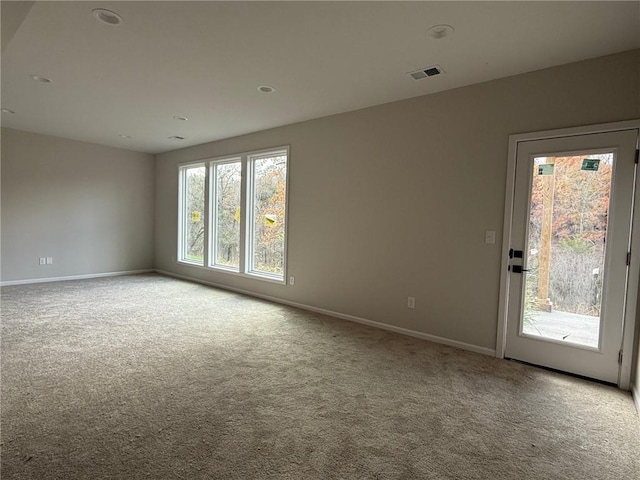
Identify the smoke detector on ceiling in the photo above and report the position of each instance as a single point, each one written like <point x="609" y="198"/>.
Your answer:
<point x="41" y="79"/>
<point x="426" y="72"/>
<point x="440" y="31"/>
<point x="107" y="16"/>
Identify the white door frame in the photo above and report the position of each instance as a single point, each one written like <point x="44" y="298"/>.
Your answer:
<point x="624" y="378"/>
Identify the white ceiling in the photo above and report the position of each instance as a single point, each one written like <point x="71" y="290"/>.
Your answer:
<point x="205" y="60"/>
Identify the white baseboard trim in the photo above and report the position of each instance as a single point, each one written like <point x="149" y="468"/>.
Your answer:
<point x="384" y="326"/>
<point x="635" y="393"/>
<point x="74" y="277"/>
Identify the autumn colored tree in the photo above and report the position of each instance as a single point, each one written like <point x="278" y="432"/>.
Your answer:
<point x="270" y="214"/>
<point x="580" y="213"/>
<point x="227" y="222"/>
<point x="194" y="213"/>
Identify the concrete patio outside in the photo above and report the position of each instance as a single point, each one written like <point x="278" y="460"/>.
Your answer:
<point x="564" y="326"/>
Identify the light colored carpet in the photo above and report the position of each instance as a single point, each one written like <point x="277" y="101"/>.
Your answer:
<point x="149" y="377"/>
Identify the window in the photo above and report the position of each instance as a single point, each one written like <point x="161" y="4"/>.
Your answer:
<point x="226" y="206"/>
<point x="267" y="209"/>
<point x="192" y="194"/>
<point x="246" y="214"/>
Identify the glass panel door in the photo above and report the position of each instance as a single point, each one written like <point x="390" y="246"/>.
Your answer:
<point x="569" y="238"/>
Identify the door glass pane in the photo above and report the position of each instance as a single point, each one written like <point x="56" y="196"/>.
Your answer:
<point x="567" y="239"/>
<point x="226" y="229"/>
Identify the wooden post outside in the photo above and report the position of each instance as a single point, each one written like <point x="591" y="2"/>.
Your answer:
<point x="544" y="263"/>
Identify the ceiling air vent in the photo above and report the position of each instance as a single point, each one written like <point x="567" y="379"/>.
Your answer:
<point x="426" y="72"/>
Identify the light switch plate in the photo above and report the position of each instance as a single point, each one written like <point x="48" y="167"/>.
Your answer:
<point x="490" y="236"/>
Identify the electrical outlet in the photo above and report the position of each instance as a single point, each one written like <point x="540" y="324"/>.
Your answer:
<point x="49" y="260"/>
<point x="411" y="302"/>
<point x="292" y="280"/>
<point x="43" y="261"/>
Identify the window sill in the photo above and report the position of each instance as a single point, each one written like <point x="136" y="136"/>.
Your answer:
<point x="254" y="276"/>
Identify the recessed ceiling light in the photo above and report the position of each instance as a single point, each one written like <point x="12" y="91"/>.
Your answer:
<point x="122" y="135"/>
<point x="107" y="16"/>
<point x="176" y="137"/>
<point x="6" y="110"/>
<point x="41" y="79"/>
<point x="178" y="117"/>
<point x="440" y="31"/>
<point x="266" y="89"/>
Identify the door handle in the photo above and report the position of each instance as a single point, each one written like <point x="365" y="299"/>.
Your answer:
<point x="515" y="253"/>
<point x="518" y="269"/>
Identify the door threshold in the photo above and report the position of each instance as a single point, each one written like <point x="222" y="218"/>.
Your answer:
<point x="555" y="370"/>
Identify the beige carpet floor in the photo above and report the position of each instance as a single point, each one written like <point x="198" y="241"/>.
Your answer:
<point x="149" y="377"/>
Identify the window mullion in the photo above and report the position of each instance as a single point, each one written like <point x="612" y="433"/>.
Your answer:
<point x="244" y="210"/>
<point x="209" y="215"/>
<point x="181" y="207"/>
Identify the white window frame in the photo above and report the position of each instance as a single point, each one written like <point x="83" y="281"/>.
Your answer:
<point x="183" y="217"/>
<point x="211" y="226"/>
<point x="250" y="224"/>
<point x="247" y="162"/>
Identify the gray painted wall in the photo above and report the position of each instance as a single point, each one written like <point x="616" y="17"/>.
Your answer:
<point x="393" y="201"/>
<point x="385" y="202"/>
<point x="89" y="207"/>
